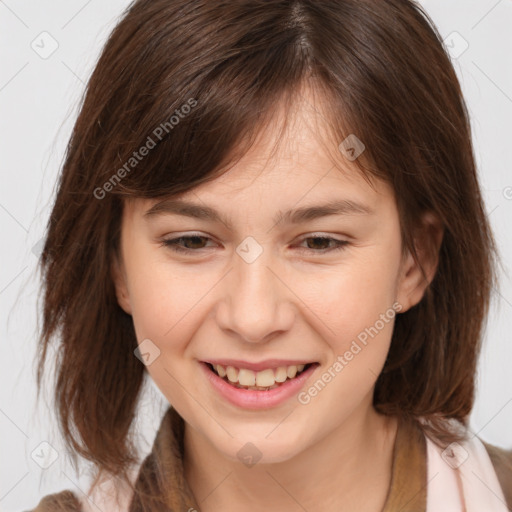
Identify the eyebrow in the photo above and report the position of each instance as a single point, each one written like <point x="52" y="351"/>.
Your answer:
<point x="295" y="216"/>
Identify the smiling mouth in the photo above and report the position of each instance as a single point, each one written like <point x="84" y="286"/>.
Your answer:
<point x="264" y="380"/>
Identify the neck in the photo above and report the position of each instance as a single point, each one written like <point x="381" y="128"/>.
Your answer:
<point x="348" y="469"/>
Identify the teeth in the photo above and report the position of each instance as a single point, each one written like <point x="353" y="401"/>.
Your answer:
<point x="256" y="380"/>
<point x="232" y="374"/>
<point x="281" y="375"/>
<point x="246" y="377"/>
<point x="291" y="371"/>
<point x="265" y="378"/>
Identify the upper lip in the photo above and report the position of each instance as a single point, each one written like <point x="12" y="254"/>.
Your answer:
<point x="256" y="367"/>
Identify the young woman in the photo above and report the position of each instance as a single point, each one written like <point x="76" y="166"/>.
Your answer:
<point x="271" y="209"/>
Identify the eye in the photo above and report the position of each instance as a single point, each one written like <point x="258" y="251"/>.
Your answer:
<point x="190" y="240"/>
<point x="195" y="242"/>
<point x="323" y="241"/>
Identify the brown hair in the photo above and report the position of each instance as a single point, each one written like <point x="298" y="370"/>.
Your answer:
<point x="387" y="78"/>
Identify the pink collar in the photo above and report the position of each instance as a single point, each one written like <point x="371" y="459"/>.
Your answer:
<point x="461" y="478"/>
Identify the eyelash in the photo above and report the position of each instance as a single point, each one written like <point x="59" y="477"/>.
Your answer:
<point x="173" y="244"/>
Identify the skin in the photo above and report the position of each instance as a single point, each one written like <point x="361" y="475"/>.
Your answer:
<point x="335" y="453"/>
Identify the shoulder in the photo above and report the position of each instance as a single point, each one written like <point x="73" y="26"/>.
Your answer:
<point x="108" y="494"/>
<point x="502" y="461"/>
<point x="64" y="501"/>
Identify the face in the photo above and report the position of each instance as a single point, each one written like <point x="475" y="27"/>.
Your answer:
<point x="261" y="289"/>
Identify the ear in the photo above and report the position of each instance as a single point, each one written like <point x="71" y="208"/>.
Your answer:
<point x="427" y="242"/>
<point x="120" y="282"/>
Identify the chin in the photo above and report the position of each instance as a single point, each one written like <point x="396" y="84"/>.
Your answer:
<point x="250" y="447"/>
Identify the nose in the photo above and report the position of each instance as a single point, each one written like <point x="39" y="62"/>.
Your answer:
<point x="256" y="303"/>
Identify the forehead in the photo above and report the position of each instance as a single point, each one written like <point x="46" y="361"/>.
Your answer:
<point x="294" y="160"/>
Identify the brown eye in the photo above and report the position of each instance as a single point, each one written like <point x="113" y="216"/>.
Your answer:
<point x="321" y="244"/>
<point x="318" y="243"/>
<point x="192" y="243"/>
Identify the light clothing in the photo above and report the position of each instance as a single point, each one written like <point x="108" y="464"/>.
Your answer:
<point x="472" y="476"/>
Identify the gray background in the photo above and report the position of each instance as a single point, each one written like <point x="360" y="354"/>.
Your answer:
<point x="39" y="94"/>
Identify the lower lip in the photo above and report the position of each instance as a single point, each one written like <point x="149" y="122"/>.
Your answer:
<point x="252" y="399"/>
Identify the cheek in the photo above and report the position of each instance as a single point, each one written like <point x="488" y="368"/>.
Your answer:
<point x="355" y="317"/>
<point x="163" y="304"/>
<point x="351" y="297"/>
<point x="157" y="294"/>
<point x="168" y="300"/>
